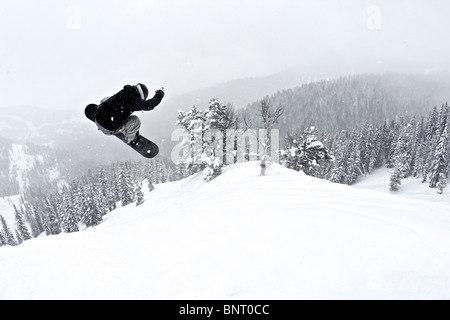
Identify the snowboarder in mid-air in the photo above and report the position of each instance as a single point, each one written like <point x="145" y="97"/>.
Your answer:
<point x="113" y="116"/>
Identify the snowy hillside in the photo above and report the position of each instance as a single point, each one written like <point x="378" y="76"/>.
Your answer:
<point x="23" y="165"/>
<point x="242" y="236"/>
<point x="410" y="187"/>
<point x="7" y="209"/>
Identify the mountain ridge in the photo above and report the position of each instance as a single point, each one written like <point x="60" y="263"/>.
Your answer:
<point x="69" y="131"/>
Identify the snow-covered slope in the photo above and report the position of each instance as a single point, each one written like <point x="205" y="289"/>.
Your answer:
<point x="409" y="188"/>
<point x="242" y="236"/>
<point x="7" y="209"/>
<point x="20" y="163"/>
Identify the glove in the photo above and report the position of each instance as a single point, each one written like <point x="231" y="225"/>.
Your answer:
<point x="160" y="93"/>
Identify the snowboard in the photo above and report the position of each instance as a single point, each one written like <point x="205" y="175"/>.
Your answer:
<point x="142" y="145"/>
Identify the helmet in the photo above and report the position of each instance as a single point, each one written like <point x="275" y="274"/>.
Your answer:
<point x="143" y="91"/>
<point x="91" y="111"/>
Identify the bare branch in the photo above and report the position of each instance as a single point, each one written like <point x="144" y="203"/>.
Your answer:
<point x="246" y="118"/>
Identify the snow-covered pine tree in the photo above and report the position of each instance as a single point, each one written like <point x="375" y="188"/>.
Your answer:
<point x="206" y="145"/>
<point x="354" y="169"/>
<point x="150" y="170"/>
<point x="38" y="218"/>
<point x="18" y="237"/>
<point x="78" y="198"/>
<point x="51" y="222"/>
<point x="41" y="214"/>
<point x="439" y="164"/>
<point x="414" y="147"/>
<point x="92" y="216"/>
<point x="30" y="218"/>
<point x="218" y="118"/>
<point x="362" y="141"/>
<point x="391" y="143"/>
<point x="210" y="157"/>
<point x="105" y="198"/>
<point x="160" y="172"/>
<point x="7" y="234"/>
<point x="420" y="148"/>
<point x="338" y="172"/>
<point x="114" y="187"/>
<point x="383" y="144"/>
<point x="21" y="227"/>
<point x="69" y="215"/>
<point x="372" y="150"/>
<point x="395" y="181"/>
<point x="193" y="121"/>
<point x="110" y="203"/>
<point x="222" y="117"/>
<point x="443" y="118"/>
<point x="139" y="194"/>
<point x="305" y="152"/>
<point x="151" y="187"/>
<point x="432" y="137"/>
<point x="442" y="184"/>
<point x="2" y="239"/>
<point x="403" y="156"/>
<point x="125" y="184"/>
<point x="290" y="156"/>
<point x="178" y="174"/>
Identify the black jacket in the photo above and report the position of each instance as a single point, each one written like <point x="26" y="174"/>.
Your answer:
<point x="112" y="112"/>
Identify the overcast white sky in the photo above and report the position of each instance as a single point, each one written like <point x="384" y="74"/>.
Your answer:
<point x="69" y="53"/>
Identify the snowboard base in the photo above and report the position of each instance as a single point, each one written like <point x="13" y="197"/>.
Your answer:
<point x="142" y="145"/>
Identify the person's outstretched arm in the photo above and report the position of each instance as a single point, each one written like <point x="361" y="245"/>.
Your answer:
<point x="150" y="104"/>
